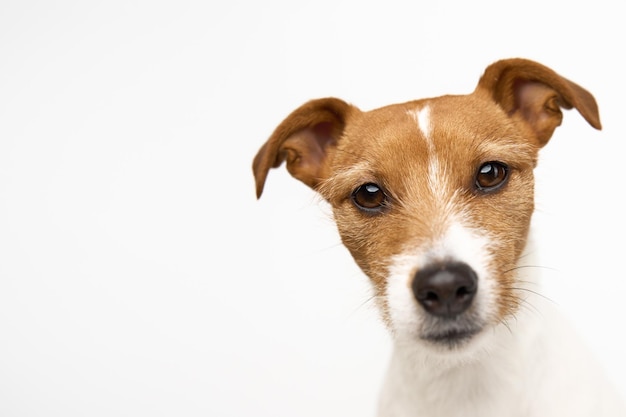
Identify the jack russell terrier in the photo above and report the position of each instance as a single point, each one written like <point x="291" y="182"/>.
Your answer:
<point x="433" y="198"/>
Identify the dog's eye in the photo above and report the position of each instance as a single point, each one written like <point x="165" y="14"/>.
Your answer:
<point x="491" y="176"/>
<point x="369" y="197"/>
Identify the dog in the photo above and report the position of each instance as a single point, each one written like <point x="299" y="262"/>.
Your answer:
<point x="433" y="198"/>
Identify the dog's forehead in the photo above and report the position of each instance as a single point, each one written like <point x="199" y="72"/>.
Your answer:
<point x="444" y="118"/>
<point x="451" y="126"/>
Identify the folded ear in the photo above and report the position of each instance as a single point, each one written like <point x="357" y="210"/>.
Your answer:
<point x="536" y="94"/>
<point x="304" y="140"/>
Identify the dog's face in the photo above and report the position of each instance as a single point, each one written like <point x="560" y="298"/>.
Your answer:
<point x="430" y="184"/>
<point x="433" y="198"/>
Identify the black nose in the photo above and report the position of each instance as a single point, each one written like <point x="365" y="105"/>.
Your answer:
<point x="445" y="289"/>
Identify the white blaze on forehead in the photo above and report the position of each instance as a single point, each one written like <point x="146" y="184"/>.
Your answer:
<point x="422" y="117"/>
<point x="436" y="174"/>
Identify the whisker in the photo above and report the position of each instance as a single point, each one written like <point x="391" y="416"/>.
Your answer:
<point x="528" y="306"/>
<point x="531" y="291"/>
<point x="505" y="323"/>
<point x="530" y="266"/>
<point x="364" y="303"/>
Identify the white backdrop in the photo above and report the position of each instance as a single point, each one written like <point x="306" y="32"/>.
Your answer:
<point x="138" y="273"/>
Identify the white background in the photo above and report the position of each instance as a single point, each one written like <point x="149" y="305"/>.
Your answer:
<point x="139" y="275"/>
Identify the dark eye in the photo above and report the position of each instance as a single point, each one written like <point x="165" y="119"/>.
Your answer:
<point x="369" y="197"/>
<point x="491" y="176"/>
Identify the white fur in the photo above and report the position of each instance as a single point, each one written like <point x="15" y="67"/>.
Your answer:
<point x="422" y="118"/>
<point x="521" y="368"/>
<point x="436" y="176"/>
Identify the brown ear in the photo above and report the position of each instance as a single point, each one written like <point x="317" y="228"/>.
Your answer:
<point x="303" y="139"/>
<point x="536" y="94"/>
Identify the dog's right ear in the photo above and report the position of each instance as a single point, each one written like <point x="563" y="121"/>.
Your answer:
<point x="304" y="140"/>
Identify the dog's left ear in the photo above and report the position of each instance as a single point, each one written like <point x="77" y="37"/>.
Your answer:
<point x="536" y="94"/>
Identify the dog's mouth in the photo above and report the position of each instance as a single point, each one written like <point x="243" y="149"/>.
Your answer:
<point x="452" y="333"/>
<point x="451" y="338"/>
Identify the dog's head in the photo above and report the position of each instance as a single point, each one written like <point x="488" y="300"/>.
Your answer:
<point x="434" y="197"/>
